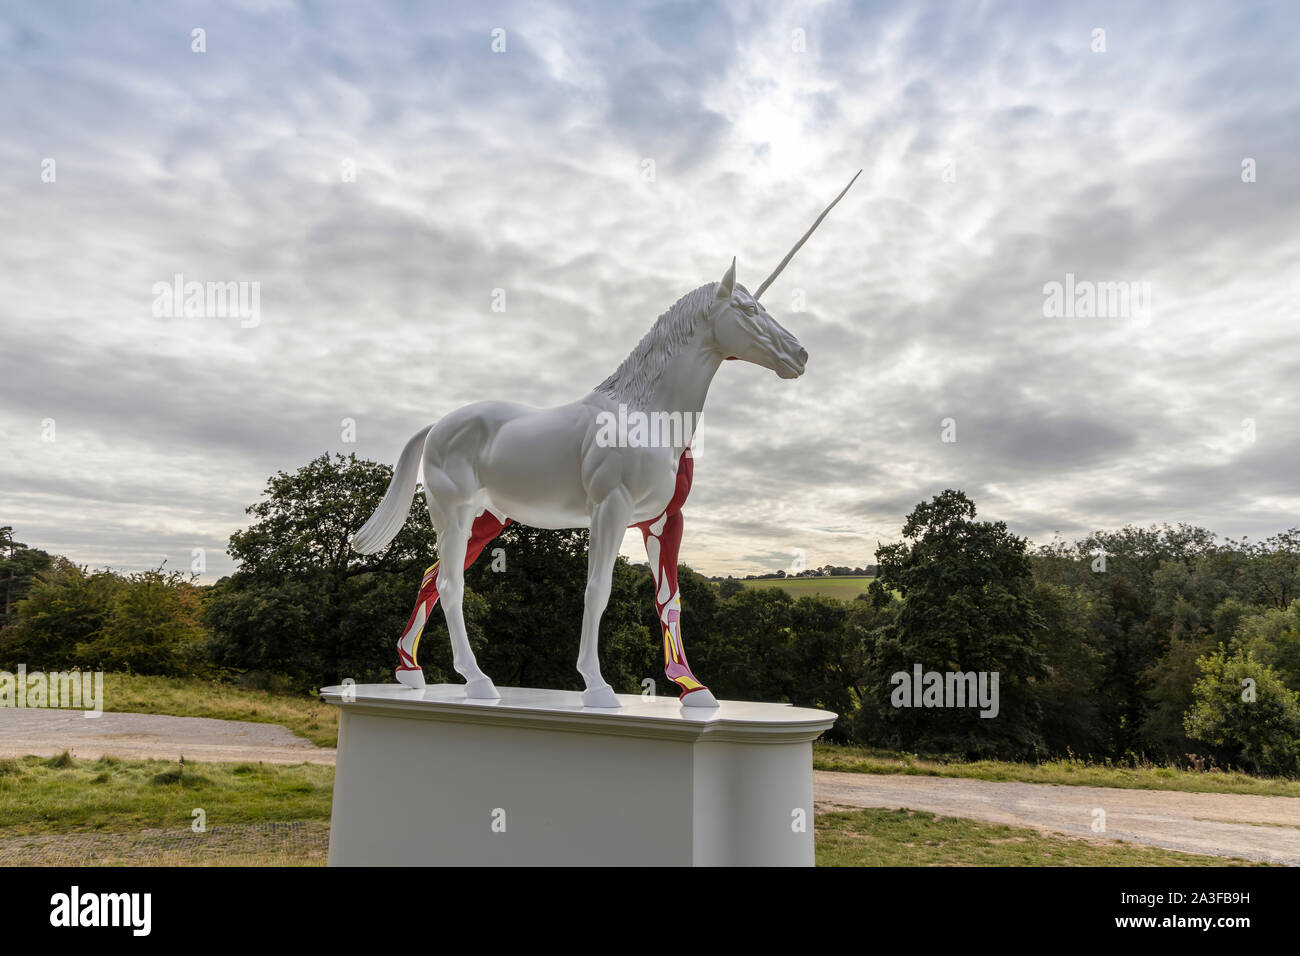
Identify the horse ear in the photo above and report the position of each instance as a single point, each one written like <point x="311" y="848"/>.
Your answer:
<point x="728" y="281"/>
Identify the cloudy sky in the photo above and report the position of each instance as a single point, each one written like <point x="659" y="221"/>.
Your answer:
<point x="1004" y="146"/>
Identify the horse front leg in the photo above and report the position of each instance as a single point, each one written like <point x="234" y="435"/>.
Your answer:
<point x="608" y="522"/>
<point x="663" y="537"/>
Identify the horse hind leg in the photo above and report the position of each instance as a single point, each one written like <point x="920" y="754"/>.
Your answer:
<point x="408" y="670"/>
<point x="486" y="527"/>
<point x="453" y="546"/>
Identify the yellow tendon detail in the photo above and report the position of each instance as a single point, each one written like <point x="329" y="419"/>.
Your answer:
<point x="429" y="575"/>
<point x="669" y="647"/>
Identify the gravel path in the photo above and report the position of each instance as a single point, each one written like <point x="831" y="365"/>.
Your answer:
<point x="48" y="733"/>
<point x="1219" y="824"/>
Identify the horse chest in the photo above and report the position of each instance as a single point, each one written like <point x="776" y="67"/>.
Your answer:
<point x="645" y="475"/>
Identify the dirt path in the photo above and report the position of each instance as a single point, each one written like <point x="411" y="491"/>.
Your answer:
<point x="1219" y="824"/>
<point x="48" y="733"/>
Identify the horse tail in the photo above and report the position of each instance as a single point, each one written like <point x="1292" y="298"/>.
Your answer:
<point x="392" y="511"/>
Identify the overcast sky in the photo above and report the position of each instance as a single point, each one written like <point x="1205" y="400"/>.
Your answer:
<point x="1003" y="148"/>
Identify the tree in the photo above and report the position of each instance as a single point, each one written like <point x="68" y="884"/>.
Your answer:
<point x="1144" y="587"/>
<point x="19" y="566"/>
<point x="1274" y="570"/>
<point x="67" y="606"/>
<point x="1243" y="709"/>
<point x="152" y="627"/>
<point x="304" y="604"/>
<point x="1186" y="597"/>
<point x="965" y="592"/>
<point x="1272" y="636"/>
<point x="825" y="659"/>
<point x="1073" y="718"/>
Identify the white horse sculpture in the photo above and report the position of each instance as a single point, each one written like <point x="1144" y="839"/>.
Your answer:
<point x="491" y="463"/>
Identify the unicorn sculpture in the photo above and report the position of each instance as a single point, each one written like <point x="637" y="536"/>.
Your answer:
<point x="579" y="466"/>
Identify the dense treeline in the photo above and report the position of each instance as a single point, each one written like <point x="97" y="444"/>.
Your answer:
<point x="1165" y="642"/>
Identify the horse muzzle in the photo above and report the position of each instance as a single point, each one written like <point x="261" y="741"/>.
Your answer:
<point x="792" y="366"/>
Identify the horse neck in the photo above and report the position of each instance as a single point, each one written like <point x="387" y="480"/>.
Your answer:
<point x="684" y="384"/>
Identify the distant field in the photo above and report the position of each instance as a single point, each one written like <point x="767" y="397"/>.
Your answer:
<point x="845" y="588"/>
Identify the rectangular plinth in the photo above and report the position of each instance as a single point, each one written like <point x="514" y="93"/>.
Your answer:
<point x="428" y="778"/>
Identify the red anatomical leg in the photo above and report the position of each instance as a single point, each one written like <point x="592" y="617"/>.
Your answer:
<point x="486" y="527"/>
<point x="663" y="537"/>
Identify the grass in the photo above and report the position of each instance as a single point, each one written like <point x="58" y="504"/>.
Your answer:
<point x="845" y="588"/>
<point x="1070" y="772"/>
<point x="306" y="715"/>
<point x="60" y="794"/>
<point x="914" y="838"/>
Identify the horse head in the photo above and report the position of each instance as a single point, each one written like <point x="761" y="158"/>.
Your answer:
<point x="742" y="329"/>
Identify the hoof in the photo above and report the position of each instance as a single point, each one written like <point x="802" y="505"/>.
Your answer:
<point x="702" y="697"/>
<point x="411" y="677"/>
<point x="482" y="689"/>
<point x="602" y="696"/>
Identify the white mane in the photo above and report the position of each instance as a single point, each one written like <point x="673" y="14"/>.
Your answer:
<point x="634" y="380"/>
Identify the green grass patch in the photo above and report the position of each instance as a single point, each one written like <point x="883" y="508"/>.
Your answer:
<point x="914" y="838"/>
<point x="304" y="714"/>
<point x="845" y="588"/>
<point x="1073" y="772"/>
<point x="110" y="795"/>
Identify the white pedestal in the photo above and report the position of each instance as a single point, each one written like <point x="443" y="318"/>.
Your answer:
<point x="431" y="778"/>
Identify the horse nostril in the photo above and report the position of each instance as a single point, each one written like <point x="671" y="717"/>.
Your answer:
<point x="803" y="355"/>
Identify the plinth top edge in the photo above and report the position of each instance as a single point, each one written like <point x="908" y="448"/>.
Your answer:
<point x="524" y="705"/>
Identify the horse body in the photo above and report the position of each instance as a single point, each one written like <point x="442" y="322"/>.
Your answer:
<point x="491" y="463"/>
<point x="543" y="467"/>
